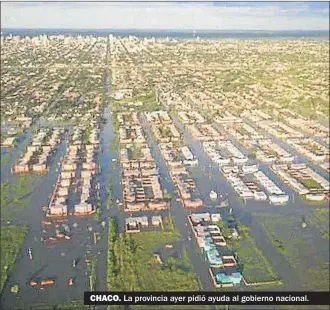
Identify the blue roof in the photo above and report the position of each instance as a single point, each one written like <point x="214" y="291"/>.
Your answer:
<point x="223" y="278"/>
<point x="208" y="244"/>
<point x="213" y="257"/>
<point x="236" y="277"/>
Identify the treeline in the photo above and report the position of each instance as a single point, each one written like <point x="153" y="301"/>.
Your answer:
<point x="111" y="261"/>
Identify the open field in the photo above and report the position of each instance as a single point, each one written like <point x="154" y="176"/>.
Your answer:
<point x="310" y="183"/>
<point x="132" y="260"/>
<point x="290" y="240"/>
<point x="12" y="238"/>
<point x="321" y="221"/>
<point x="254" y="264"/>
<point x="14" y="195"/>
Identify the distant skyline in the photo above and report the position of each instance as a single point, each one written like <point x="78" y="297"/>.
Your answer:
<point x="274" y="16"/>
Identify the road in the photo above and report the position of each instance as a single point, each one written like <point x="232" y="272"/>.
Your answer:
<point x="55" y="261"/>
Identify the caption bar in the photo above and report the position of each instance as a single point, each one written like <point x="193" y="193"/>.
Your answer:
<point x="206" y="298"/>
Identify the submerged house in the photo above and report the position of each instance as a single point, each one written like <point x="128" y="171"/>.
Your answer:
<point x="39" y="167"/>
<point x="9" y="142"/>
<point x="83" y="208"/>
<point x="156" y="220"/>
<point x="214" y="258"/>
<point x="232" y="279"/>
<point x="133" y="224"/>
<point x="21" y="167"/>
<point x="58" y="210"/>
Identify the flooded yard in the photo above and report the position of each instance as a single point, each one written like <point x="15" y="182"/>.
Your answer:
<point x="299" y="247"/>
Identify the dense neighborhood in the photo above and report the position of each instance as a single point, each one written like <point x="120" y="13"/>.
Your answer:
<point x="200" y="162"/>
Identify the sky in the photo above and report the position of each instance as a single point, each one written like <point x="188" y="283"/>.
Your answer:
<point x="167" y="15"/>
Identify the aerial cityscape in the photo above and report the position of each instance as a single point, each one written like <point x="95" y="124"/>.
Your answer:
<point x="142" y="161"/>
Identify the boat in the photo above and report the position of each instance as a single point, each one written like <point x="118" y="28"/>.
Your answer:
<point x="70" y="282"/>
<point x="213" y="195"/>
<point x="47" y="282"/>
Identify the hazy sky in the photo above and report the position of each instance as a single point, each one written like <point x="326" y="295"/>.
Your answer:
<point x="173" y="15"/>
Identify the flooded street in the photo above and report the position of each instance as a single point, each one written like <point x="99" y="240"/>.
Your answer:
<point x="207" y="176"/>
<point x="179" y="213"/>
<point x="55" y="261"/>
<point x="291" y="237"/>
<point x="12" y="154"/>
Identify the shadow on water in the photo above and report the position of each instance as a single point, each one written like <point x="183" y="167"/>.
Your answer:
<point x="34" y="276"/>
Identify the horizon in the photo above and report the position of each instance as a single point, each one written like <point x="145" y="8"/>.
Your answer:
<point x="170" y="29"/>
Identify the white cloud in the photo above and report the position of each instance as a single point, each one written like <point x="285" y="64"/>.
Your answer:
<point x="161" y="16"/>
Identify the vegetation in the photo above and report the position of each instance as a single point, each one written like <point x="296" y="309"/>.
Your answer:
<point x="168" y="196"/>
<point x="224" y="229"/>
<point x="131" y="261"/>
<point x="253" y="263"/>
<point x="111" y="259"/>
<point x="14" y="196"/>
<point x="115" y="122"/>
<point x="287" y="235"/>
<point x="321" y="221"/>
<point x="109" y="199"/>
<point x="98" y="213"/>
<point x="114" y="146"/>
<point x="14" y="289"/>
<point x="91" y="267"/>
<point x="4" y="158"/>
<point x="12" y="238"/>
<point x="310" y="184"/>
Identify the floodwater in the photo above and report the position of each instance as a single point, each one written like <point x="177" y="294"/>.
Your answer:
<point x="14" y="154"/>
<point x="179" y="213"/>
<point x="56" y="261"/>
<point x="213" y="178"/>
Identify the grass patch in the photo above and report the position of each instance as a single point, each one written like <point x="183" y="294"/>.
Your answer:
<point x="131" y="261"/>
<point x="12" y="238"/>
<point x="114" y="144"/>
<point x="97" y="215"/>
<point x="168" y="196"/>
<point x="14" y="195"/>
<point x="310" y="184"/>
<point x="321" y="221"/>
<point x="109" y="199"/>
<point x="4" y="158"/>
<point x="322" y="214"/>
<point x="91" y="268"/>
<point x="287" y="235"/>
<point x="253" y="263"/>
